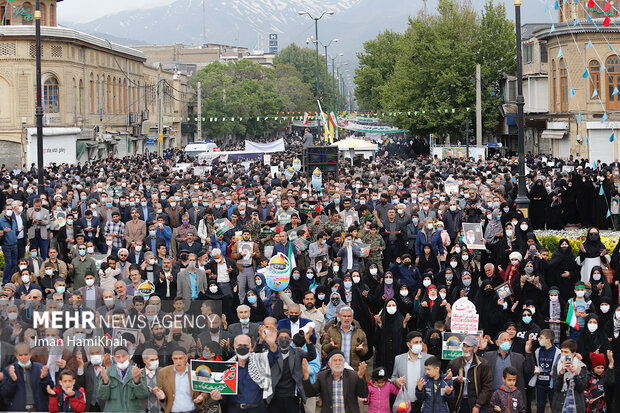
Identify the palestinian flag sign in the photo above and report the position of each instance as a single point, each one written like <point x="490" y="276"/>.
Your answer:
<point x="364" y="249"/>
<point x="221" y="226"/>
<point x="308" y="206"/>
<point x="270" y="229"/>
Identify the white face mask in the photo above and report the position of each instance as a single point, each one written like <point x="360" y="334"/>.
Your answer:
<point x="453" y="264"/>
<point x="213" y="289"/>
<point x="426" y="283"/>
<point x="90" y="282"/>
<point x="604" y="309"/>
<point x="153" y="365"/>
<point x="96" y="359"/>
<point x="580" y="293"/>
<point x="465" y="257"/>
<point x="49" y="271"/>
<point x="391" y="310"/>
<point x="524" y="227"/>
<point x="509" y="233"/>
<point x="373" y="271"/>
<point x="356" y="280"/>
<point x="90" y="250"/>
<point x="25" y="279"/>
<point x="404" y="293"/>
<point x="442" y="295"/>
<point x="123" y="366"/>
<point x="138" y="248"/>
<point x="592" y="327"/>
<point x="416" y="348"/>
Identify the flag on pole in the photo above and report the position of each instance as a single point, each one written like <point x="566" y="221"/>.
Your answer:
<point x="306" y="118"/>
<point x="601" y="191"/>
<point x="291" y="258"/>
<point x="571" y="317"/>
<point x="332" y="119"/>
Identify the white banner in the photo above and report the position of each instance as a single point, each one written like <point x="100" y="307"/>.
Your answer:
<point x="275" y="146"/>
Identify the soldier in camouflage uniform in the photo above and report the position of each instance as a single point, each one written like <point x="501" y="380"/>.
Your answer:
<point x="254" y="226"/>
<point x="335" y="224"/>
<point x="314" y="226"/>
<point x="377" y="245"/>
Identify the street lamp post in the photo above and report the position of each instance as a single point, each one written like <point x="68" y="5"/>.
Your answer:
<point x="316" y="40"/>
<point x="39" y="103"/>
<point x="336" y="91"/>
<point x="327" y="103"/>
<point x="522" y="200"/>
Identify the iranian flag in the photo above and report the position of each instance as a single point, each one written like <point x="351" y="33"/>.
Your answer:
<point x="571" y="317"/>
<point x="306" y="118"/>
<point x="332" y="118"/>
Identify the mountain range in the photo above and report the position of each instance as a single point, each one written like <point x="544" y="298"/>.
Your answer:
<point x="249" y="22"/>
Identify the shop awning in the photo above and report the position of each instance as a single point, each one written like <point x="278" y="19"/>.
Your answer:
<point x="553" y="134"/>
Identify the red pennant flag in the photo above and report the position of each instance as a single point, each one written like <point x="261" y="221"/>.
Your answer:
<point x="607" y="6"/>
<point x="606" y="21"/>
<point x="591" y="4"/>
<point x="318" y="207"/>
<point x="278" y="228"/>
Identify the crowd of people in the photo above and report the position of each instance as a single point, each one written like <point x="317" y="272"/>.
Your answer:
<point x="379" y="262"/>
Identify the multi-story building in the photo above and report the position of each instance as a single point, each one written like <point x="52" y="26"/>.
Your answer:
<point x="99" y="98"/>
<point x="583" y="78"/>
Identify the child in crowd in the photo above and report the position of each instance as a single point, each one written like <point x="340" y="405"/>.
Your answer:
<point x="545" y="360"/>
<point x="570" y="381"/>
<point x="65" y="397"/>
<point x="507" y="399"/>
<point x="379" y="390"/>
<point x="433" y="390"/>
<point x="598" y="379"/>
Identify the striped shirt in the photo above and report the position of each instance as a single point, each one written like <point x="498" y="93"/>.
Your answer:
<point x="345" y="346"/>
<point x="338" y="396"/>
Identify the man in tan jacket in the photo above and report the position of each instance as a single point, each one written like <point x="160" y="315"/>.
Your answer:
<point x="135" y="230"/>
<point x="246" y="253"/>
<point x="174" y="389"/>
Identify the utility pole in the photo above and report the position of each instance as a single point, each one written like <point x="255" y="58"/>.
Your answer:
<point x="522" y="200"/>
<point x="160" y="126"/>
<point x="467" y="135"/>
<point x="39" y="106"/>
<point x="478" y="107"/>
<point x="199" y="113"/>
<point x="327" y="108"/>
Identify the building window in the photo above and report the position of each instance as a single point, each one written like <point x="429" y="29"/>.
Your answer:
<point x="52" y="14"/>
<point x="50" y="96"/>
<point x="81" y="96"/>
<point x="595" y="77"/>
<point x="43" y="15"/>
<point x="528" y="53"/>
<point x="543" y="52"/>
<point x="563" y="86"/>
<point x="92" y="95"/>
<point x="554" y="91"/>
<point x="5" y="12"/>
<point x="108" y="94"/>
<point x="613" y="81"/>
<point x="27" y="13"/>
<point x="114" y="96"/>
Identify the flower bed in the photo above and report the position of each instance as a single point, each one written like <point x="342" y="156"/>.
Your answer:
<point x="550" y="239"/>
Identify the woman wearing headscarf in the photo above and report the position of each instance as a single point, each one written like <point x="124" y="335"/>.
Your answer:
<point x="352" y="296"/>
<point x="591" y="254"/>
<point x="449" y="280"/>
<point x="390" y="332"/>
<point x="526" y="327"/>
<point x="492" y="314"/>
<point x="263" y="291"/>
<point x="333" y="306"/>
<point x="494" y="227"/>
<point x="214" y="293"/>
<point x="555" y="219"/>
<point x="538" y="200"/>
<point x="321" y="295"/>
<point x="504" y="246"/>
<point x="563" y="270"/>
<point x="529" y="286"/>
<point x="467" y="288"/>
<point x="599" y="286"/>
<point x="591" y="339"/>
<point x="605" y="313"/>
<point x="258" y="311"/>
<point x="432" y="308"/>
<point x="298" y="285"/>
<point x="428" y="260"/>
<point x="372" y="277"/>
<point x="384" y="290"/>
<point x="407" y="304"/>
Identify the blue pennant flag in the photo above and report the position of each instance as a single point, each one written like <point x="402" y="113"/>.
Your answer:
<point x="556" y="5"/>
<point x="546" y="8"/>
<point x="594" y="94"/>
<point x="579" y="117"/>
<point x="612" y="137"/>
<point x="615" y="91"/>
<point x="585" y="74"/>
<point x="604" y="118"/>
<point x="608" y="214"/>
<point x="572" y="92"/>
<point x="576" y="22"/>
<point x="589" y="44"/>
<point x="588" y="18"/>
<point x="552" y="29"/>
<point x="560" y="54"/>
<point x="610" y="47"/>
<point x="603" y="67"/>
<point x="596" y="27"/>
<point x="587" y="139"/>
<point x="601" y="191"/>
<point x="594" y="165"/>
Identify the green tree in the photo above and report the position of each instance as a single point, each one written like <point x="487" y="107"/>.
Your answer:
<point x="376" y="65"/>
<point x="240" y="95"/>
<point x="434" y="68"/>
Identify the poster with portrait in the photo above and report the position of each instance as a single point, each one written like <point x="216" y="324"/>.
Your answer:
<point x="59" y="221"/>
<point x="472" y="236"/>
<point x="504" y="290"/>
<point x="129" y="337"/>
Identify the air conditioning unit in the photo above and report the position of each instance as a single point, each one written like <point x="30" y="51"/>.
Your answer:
<point x="133" y="117"/>
<point x="145" y="115"/>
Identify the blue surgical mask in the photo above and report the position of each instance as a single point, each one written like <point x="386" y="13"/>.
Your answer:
<point x="152" y="233"/>
<point x="24" y="365"/>
<point x="108" y="204"/>
<point x="348" y="284"/>
<point x="505" y="346"/>
<point x="251" y="299"/>
<point x="527" y="319"/>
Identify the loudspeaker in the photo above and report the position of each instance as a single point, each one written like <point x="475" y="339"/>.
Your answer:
<point x="323" y="157"/>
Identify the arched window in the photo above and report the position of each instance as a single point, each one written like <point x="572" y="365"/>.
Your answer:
<point x="554" y="94"/>
<point x="52" y="14"/>
<point x="595" y="78"/>
<point x="51" y="96"/>
<point x="43" y="15"/>
<point x="563" y="86"/>
<point x="27" y="14"/>
<point x="81" y="96"/>
<point x="114" y="95"/>
<point x="92" y="94"/>
<point x="108" y="94"/>
<point x="613" y="81"/>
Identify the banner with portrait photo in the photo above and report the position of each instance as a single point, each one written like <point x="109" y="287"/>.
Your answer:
<point x="472" y="236"/>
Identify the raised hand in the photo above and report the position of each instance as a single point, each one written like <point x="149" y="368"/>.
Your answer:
<point x="361" y="371"/>
<point x="12" y="374"/>
<point x="421" y="382"/>
<point x="448" y="389"/>
<point x="159" y="393"/>
<point x="44" y="372"/>
<point x="104" y="376"/>
<point x="305" y="369"/>
<point x="136" y="373"/>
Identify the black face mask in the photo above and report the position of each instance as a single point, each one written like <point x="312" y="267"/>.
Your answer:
<point x="284" y="343"/>
<point x="383" y="202"/>
<point x="335" y="301"/>
<point x="176" y="337"/>
<point x="214" y="329"/>
<point x="593" y="237"/>
<point x="242" y="350"/>
<point x="488" y="291"/>
<point x="293" y="318"/>
<point x="564" y="249"/>
<point x="184" y="257"/>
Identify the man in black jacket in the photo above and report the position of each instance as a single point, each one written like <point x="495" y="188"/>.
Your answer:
<point x="224" y="271"/>
<point x="88" y="374"/>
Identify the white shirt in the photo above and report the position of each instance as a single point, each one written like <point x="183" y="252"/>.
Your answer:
<point x="294" y="327"/>
<point x="222" y="272"/>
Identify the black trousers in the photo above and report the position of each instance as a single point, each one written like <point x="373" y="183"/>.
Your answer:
<point x="284" y="405"/>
